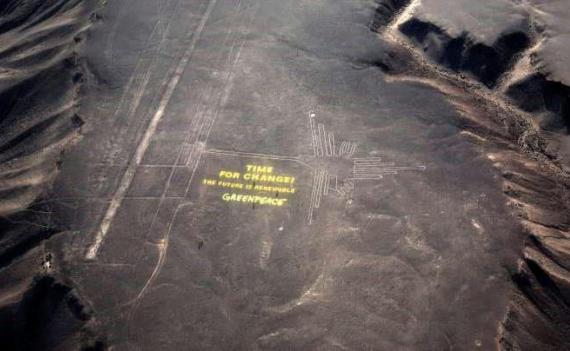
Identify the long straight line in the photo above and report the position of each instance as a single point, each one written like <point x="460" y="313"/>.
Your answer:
<point x="320" y="188"/>
<point x="314" y="136"/>
<point x="257" y="155"/>
<point x="129" y="174"/>
<point x="322" y="147"/>
<point x="313" y="192"/>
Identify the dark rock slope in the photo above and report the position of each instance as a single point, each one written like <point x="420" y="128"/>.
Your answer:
<point x="519" y="48"/>
<point x="40" y="75"/>
<point x="496" y="61"/>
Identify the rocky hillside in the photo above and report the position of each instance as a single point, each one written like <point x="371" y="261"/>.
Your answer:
<point x="501" y="63"/>
<point x="40" y="77"/>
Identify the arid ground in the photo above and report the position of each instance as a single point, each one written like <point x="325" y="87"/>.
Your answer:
<point x="284" y="175"/>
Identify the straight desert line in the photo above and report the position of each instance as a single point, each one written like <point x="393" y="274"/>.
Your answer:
<point x="129" y="174"/>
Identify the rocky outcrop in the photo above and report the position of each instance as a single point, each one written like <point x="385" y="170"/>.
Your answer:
<point x="515" y="48"/>
<point x="40" y="77"/>
<point x="386" y="11"/>
<point x="498" y="63"/>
